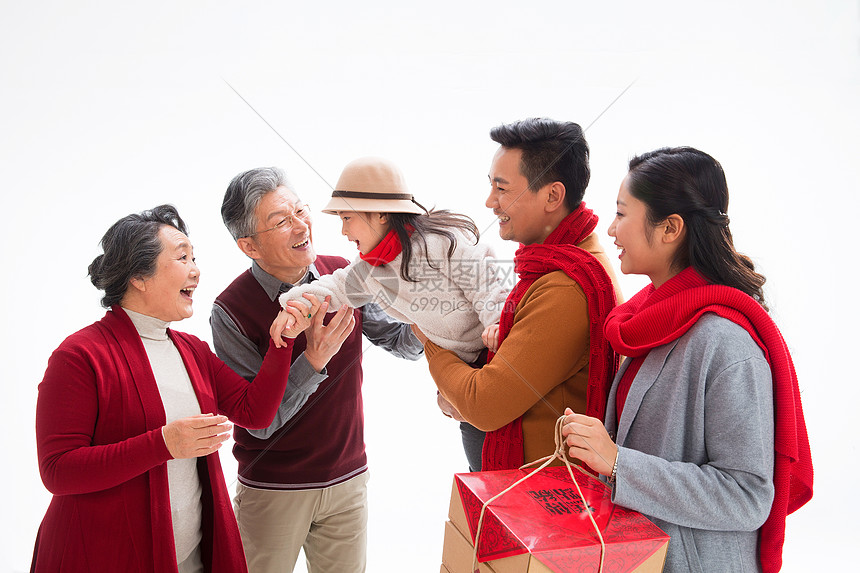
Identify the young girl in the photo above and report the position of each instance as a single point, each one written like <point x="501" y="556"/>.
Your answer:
<point x="704" y="430"/>
<point x="421" y="267"/>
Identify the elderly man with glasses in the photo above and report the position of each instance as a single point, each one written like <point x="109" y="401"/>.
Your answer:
<point x="302" y="480"/>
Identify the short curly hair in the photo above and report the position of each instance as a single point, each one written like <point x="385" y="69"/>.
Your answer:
<point x="130" y="249"/>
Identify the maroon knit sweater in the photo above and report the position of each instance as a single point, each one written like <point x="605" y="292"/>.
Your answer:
<point x="323" y="444"/>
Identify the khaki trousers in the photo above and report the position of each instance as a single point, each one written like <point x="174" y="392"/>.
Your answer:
<point x="330" y="524"/>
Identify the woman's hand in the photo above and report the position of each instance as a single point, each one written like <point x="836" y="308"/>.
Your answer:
<point x="293" y="320"/>
<point x="195" y="436"/>
<point x="490" y="336"/>
<point x="589" y="441"/>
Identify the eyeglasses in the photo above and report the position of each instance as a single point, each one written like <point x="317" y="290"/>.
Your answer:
<point x="302" y="212"/>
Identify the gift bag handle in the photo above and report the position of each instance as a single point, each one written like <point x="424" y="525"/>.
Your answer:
<point x="561" y="454"/>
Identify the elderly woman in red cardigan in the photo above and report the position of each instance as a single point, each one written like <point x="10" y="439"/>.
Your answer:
<point x="704" y="432"/>
<point x="130" y="412"/>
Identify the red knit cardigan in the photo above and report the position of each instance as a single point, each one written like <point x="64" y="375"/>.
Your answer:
<point x="101" y="453"/>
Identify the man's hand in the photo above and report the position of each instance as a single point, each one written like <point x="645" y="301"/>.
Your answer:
<point x="324" y="341"/>
<point x="490" y="336"/>
<point x="448" y="408"/>
<point x="422" y="338"/>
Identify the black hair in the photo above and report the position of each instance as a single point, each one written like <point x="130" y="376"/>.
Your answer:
<point x="130" y="249"/>
<point x="692" y="184"/>
<point x="551" y="151"/>
<point x="433" y="222"/>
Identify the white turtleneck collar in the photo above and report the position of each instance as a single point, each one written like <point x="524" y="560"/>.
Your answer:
<point x="148" y="326"/>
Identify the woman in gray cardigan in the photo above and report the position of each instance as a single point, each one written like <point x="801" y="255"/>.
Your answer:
<point x="704" y="432"/>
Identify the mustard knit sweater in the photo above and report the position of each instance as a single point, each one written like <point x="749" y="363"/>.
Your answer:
<point x="540" y="369"/>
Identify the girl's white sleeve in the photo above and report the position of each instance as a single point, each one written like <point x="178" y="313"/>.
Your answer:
<point x="474" y="270"/>
<point x="339" y="285"/>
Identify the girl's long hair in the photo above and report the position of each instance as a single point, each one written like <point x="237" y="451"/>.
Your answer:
<point x="433" y="222"/>
<point x="692" y="184"/>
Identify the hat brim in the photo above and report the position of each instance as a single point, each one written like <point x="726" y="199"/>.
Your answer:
<point x="336" y="204"/>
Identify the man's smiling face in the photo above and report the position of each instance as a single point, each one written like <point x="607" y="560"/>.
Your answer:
<point x="282" y="251"/>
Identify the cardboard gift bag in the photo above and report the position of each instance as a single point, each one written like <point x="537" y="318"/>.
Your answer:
<point x="542" y="525"/>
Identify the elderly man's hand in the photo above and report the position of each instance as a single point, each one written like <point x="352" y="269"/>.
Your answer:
<point x="293" y="320"/>
<point x="325" y="340"/>
<point x="195" y="436"/>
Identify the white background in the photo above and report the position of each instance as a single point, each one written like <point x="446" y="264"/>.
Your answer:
<point x="107" y="110"/>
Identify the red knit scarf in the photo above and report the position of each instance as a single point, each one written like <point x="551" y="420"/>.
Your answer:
<point x="655" y="317"/>
<point x="385" y="252"/>
<point x="503" y="448"/>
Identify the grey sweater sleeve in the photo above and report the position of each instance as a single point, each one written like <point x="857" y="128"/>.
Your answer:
<point x="730" y="490"/>
<point x="385" y="332"/>
<point x="240" y="354"/>
<point x="304" y="381"/>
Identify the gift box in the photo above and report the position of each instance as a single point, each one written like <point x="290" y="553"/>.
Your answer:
<point x="458" y="552"/>
<point x="542" y="526"/>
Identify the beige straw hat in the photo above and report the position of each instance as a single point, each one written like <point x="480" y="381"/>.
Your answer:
<point x="372" y="184"/>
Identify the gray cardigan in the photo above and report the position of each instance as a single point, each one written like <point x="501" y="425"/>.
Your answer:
<point x="695" y="445"/>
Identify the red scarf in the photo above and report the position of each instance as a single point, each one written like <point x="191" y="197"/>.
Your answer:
<point x="385" y="252"/>
<point x="503" y="448"/>
<point x="655" y="317"/>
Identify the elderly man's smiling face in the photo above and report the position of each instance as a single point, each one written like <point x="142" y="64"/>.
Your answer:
<point x="282" y="250"/>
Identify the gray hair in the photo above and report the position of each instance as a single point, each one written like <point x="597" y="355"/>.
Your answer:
<point x="246" y="190"/>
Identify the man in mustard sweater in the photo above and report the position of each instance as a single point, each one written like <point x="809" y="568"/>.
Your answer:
<point x="551" y="353"/>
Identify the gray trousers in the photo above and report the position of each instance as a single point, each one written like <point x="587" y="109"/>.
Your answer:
<point x="473" y="444"/>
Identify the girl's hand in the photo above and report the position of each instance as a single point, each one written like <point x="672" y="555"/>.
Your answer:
<point x="195" y="436"/>
<point x="589" y="441"/>
<point x="490" y="336"/>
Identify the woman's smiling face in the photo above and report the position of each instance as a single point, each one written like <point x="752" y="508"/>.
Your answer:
<point x="642" y="253"/>
<point x="167" y="294"/>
